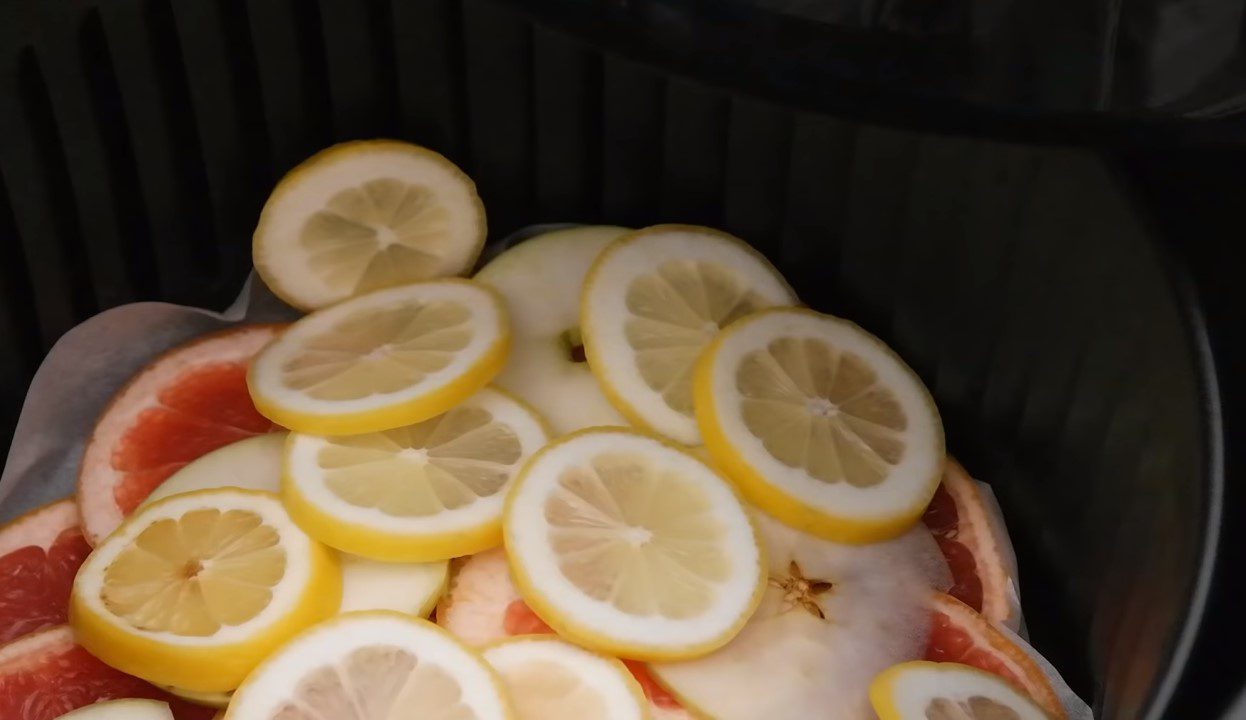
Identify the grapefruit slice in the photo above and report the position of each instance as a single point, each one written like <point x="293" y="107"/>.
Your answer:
<point x="959" y="634"/>
<point x="975" y="546"/>
<point x="39" y="554"/>
<point x="45" y="675"/>
<point x="483" y="607"/>
<point x="187" y="402"/>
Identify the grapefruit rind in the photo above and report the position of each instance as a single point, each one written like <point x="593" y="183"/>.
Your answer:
<point x="471" y="369"/>
<point x="308" y="591"/>
<point x="39" y="527"/>
<point x="840" y="511"/>
<point x="1028" y="677"/>
<point x="97" y="478"/>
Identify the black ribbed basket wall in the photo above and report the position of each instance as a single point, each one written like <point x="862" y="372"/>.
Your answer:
<point x="139" y="138"/>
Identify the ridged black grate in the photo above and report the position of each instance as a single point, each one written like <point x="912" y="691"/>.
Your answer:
<point x="138" y="140"/>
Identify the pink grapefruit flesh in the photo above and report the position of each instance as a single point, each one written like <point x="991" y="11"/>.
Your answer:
<point x="39" y="554"/>
<point x="189" y="401"/>
<point x="47" y="674"/>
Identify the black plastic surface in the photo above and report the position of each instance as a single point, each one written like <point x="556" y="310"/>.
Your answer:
<point x="1024" y="282"/>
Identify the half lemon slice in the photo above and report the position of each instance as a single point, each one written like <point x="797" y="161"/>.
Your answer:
<point x="383" y="360"/>
<point x="652" y="301"/>
<point x="820" y="424"/>
<point x="626" y="544"/>
<point x="366" y="215"/>
<point x="429" y="491"/>
<point x="549" y="679"/>
<point x="194" y="590"/>
<point x="922" y="690"/>
<point x="372" y="666"/>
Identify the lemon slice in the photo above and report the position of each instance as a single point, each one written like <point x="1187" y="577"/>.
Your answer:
<point x="372" y="666"/>
<point x="626" y="544"/>
<point x="820" y="424"/>
<point x="383" y="360"/>
<point x="652" y="301"/>
<point x="255" y="464"/>
<point x="366" y="215"/>
<point x="921" y="690"/>
<point x="194" y="590"/>
<point x="122" y="710"/>
<point x="429" y="491"/>
<point x="549" y="679"/>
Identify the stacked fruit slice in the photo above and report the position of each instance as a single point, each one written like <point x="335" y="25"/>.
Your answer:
<point x="749" y="547"/>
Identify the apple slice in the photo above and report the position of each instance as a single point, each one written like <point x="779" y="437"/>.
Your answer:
<point x="833" y="616"/>
<point x="540" y="280"/>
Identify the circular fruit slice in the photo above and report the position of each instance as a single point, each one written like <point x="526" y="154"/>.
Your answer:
<point x="185" y="403"/>
<point x="251" y="464"/>
<point x="366" y="215"/>
<point x="391" y="660"/>
<point x="832" y="617"/>
<point x="651" y="303"/>
<point x="482" y="606"/>
<point x="920" y="690"/>
<point x="46" y="674"/>
<point x="39" y="554"/>
<point x="976" y="547"/>
<point x="383" y="360"/>
<point x="428" y="491"/>
<point x="959" y="634"/>
<point x="255" y="464"/>
<point x="541" y="279"/>
<point x="820" y="424"/>
<point x="549" y="679"/>
<point x="626" y="544"/>
<point x="194" y="590"/>
<point x="129" y="709"/>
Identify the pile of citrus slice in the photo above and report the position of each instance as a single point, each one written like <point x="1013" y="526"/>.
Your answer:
<point x="632" y="476"/>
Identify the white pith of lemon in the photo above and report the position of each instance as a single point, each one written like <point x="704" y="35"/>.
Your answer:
<point x="372" y="666"/>
<point x="194" y="590"/>
<point x="832" y="617"/>
<point x="820" y="424"/>
<point x="922" y="690"/>
<point x="549" y="679"/>
<point x="428" y="491"/>
<point x="627" y="544"/>
<point x="383" y="360"/>
<point x="652" y="301"/>
<point x="541" y="279"/>
<point x="366" y="215"/>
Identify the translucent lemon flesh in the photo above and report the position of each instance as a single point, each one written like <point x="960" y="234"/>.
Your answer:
<point x="544" y="690"/>
<point x="675" y="312"/>
<point x="637" y="537"/>
<point x="974" y="708"/>
<point x="821" y="410"/>
<point x="444" y="463"/>
<point x="193" y="575"/>
<point x="383" y="351"/>
<point x="376" y="235"/>
<point x="376" y="683"/>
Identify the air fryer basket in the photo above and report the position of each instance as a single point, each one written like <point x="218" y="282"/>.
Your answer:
<point x="138" y="139"/>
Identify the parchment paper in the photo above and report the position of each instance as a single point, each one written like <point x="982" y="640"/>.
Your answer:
<point x="91" y="361"/>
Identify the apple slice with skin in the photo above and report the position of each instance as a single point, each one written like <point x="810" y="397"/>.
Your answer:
<point x="540" y="279"/>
